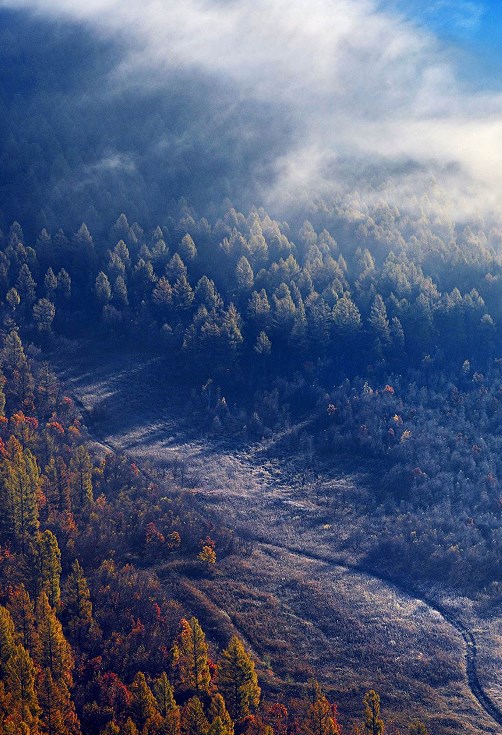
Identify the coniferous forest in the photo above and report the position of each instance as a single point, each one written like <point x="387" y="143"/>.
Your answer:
<point x="350" y="325"/>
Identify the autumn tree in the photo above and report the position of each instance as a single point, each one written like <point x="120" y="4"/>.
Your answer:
<point x="55" y="652"/>
<point x="372" y="721"/>
<point x="22" y="611"/>
<point x="58" y="711"/>
<point x="167" y="707"/>
<point x="218" y="710"/>
<point x="193" y="719"/>
<point x="77" y="609"/>
<point x="417" y="728"/>
<point x="143" y="705"/>
<point x="21" y="480"/>
<point x="321" y="716"/>
<point x="191" y="654"/>
<point x="81" y="477"/>
<point x="50" y="567"/>
<point x="20" y="684"/>
<point x="238" y="681"/>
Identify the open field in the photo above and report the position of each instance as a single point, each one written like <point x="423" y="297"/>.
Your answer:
<point x="295" y="590"/>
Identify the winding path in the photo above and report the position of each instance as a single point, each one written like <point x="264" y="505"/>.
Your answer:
<point x="485" y="701"/>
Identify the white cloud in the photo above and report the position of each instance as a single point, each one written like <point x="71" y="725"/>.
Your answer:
<point x="353" y="79"/>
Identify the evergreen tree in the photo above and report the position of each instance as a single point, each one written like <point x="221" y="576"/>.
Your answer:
<point x="81" y="477"/>
<point x="20" y="683"/>
<point x="373" y="723"/>
<point x="238" y="681"/>
<point x="187" y="249"/>
<point x="22" y="611"/>
<point x="417" y="728"/>
<point x="50" y="567"/>
<point x="379" y="322"/>
<point x="120" y="294"/>
<point x="244" y="275"/>
<point x="320" y="719"/>
<point x="55" y="652"/>
<point x="143" y="703"/>
<point x="25" y="285"/>
<point x="44" y="312"/>
<point x="7" y="640"/>
<point x="219" y="710"/>
<point x="21" y="482"/>
<point x="50" y="283"/>
<point x="58" y="712"/>
<point x="183" y="294"/>
<point x="102" y="289"/>
<point x="192" y="657"/>
<point x="77" y="609"/>
<point x="193" y="719"/>
<point x="64" y="284"/>
<point x="57" y="485"/>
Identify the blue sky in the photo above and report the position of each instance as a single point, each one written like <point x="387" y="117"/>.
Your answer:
<point x="471" y="28"/>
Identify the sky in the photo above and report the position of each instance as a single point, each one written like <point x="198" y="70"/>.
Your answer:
<point x="404" y="89"/>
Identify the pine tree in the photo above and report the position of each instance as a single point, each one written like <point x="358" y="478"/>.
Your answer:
<point x="176" y="268"/>
<point x="193" y="719"/>
<point x="129" y="728"/>
<point x="25" y="285"/>
<point x="217" y="727"/>
<point x="418" y="728"/>
<point x="263" y="345"/>
<point x="50" y="283"/>
<point x="144" y="705"/>
<point x="21" y="481"/>
<point x="20" y="683"/>
<point x="183" y="294"/>
<point x="77" y="608"/>
<point x="219" y="710"/>
<point x="81" y="477"/>
<point x="55" y="652"/>
<point x="373" y="724"/>
<point x="244" y="275"/>
<point x="102" y="289"/>
<point x="187" y="249"/>
<point x="192" y="657"/>
<point x="320" y="719"/>
<point x="259" y="309"/>
<point x="22" y="611"/>
<point x="7" y="640"/>
<point x="50" y="567"/>
<point x="57" y="485"/>
<point x="44" y="312"/>
<point x="238" y="681"/>
<point x="58" y="712"/>
<point x="120" y="294"/>
<point x="379" y="322"/>
<point x="64" y="284"/>
<point x="166" y="704"/>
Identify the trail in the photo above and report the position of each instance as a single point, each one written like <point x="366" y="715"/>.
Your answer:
<point x="475" y="686"/>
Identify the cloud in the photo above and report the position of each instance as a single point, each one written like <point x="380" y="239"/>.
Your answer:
<point x="354" y="80"/>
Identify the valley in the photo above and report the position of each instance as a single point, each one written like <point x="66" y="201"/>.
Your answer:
<point x="295" y="588"/>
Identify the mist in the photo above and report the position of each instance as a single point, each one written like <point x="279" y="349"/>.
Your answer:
<point x="264" y="103"/>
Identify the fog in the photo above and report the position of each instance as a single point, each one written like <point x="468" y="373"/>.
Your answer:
<point x="275" y="100"/>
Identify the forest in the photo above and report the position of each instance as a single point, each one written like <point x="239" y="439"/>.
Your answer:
<point x="191" y="194"/>
<point x="90" y="641"/>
